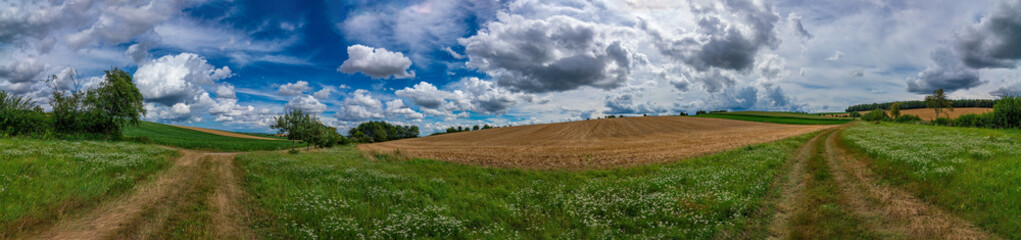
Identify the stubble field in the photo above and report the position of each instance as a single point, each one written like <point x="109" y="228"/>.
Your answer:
<point x="601" y="143"/>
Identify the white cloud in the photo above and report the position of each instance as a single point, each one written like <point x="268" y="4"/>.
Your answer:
<point x="397" y="108"/>
<point x="307" y="104"/>
<point x="294" y="89"/>
<point x="836" y="56"/>
<point x="360" y="106"/>
<point x="324" y="93"/>
<point x="178" y="78"/>
<point x="376" y="63"/>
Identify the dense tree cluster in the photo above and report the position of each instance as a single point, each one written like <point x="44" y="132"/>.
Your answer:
<point x="100" y="112"/>
<point x="904" y="105"/>
<point x="380" y="131"/>
<point x="301" y="126"/>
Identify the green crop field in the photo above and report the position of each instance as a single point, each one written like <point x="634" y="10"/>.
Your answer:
<point x="40" y="179"/>
<point x="778" y="117"/>
<point x="191" y="139"/>
<point x="339" y="194"/>
<point x="974" y="173"/>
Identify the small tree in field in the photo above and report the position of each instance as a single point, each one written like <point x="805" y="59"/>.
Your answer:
<point x="295" y="124"/>
<point x="895" y="109"/>
<point x="938" y="101"/>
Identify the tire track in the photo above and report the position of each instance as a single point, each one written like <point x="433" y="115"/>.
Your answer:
<point x="889" y="210"/>
<point x="155" y="207"/>
<point x="792" y="188"/>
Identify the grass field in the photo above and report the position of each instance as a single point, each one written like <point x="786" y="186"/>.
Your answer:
<point x="191" y="139"/>
<point x="339" y="194"/>
<point x="974" y="173"/>
<point x="41" y="179"/>
<point x="778" y="117"/>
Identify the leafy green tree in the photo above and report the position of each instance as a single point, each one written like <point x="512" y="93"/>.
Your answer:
<point x="475" y="128"/>
<point x="938" y="101"/>
<point x="1007" y="112"/>
<point x="295" y="124"/>
<point x="116" y="100"/>
<point x="895" y="109"/>
<point x="20" y="116"/>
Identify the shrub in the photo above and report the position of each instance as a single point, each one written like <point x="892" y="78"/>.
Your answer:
<point x="854" y="114"/>
<point x="974" y="120"/>
<point x="19" y="116"/>
<point x="876" y="115"/>
<point x="1007" y="112"/>
<point x="943" y="121"/>
<point x="380" y="131"/>
<point x="907" y="118"/>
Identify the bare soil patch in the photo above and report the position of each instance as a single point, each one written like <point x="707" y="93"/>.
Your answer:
<point x="224" y="133"/>
<point x="599" y="143"/>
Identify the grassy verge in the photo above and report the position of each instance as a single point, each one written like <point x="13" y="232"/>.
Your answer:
<point x="40" y="180"/>
<point x="338" y="193"/>
<point x="779" y="117"/>
<point x="974" y="173"/>
<point x="191" y="139"/>
<point x="825" y="213"/>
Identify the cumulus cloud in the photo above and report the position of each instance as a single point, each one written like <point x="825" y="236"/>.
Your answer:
<point x="173" y="79"/>
<point x="736" y="98"/>
<point x="307" y="104"/>
<point x="774" y="98"/>
<point x="553" y="54"/>
<point x="719" y="42"/>
<point x="995" y="42"/>
<point x="294" y="89"/>
<point x="376" y="63"/>
<point x="946" y="72"/>
<point x="324" y="93"/>
<point x="397" y="108"/>
<point x="468" y="94"/>
<point x="624" y="103"/>
<point x="226" y="91"/>
<point x="360" y="106"/>
<point x="26" y="70"/>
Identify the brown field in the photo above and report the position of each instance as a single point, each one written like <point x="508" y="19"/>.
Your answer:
<point x="601" y="143"/>
<point x="223" y="133"/>
<point x="928" y="114"/>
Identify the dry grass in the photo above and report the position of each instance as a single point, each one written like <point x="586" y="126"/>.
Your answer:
<point x="587" y="144"/>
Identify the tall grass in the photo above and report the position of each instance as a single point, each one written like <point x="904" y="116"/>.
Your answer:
<point x="40" y="179"/>
<point x="339" y="194"/>
<point x="191" y="139"/>
<point x="975" y="173"/>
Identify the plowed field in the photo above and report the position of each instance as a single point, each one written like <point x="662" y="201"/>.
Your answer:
<point x="602" y="143"/>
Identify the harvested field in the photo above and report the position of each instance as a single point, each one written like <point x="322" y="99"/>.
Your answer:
<point x="928" y="114"/>
<point x="224" y="133"/>
<point x="602" y="143"/>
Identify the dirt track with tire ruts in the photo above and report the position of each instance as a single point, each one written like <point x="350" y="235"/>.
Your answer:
<point x="601" y="143"/>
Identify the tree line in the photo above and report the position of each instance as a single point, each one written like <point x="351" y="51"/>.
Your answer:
<point x="97" y="113"/>
<point x="1006" y="112"/>
<point x="961" y="103"/>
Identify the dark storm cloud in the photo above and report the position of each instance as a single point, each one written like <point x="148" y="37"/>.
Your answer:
<point x="548" y="55"/>
<point x="947" y="73"/>
<point x="996" y="41"/>
<point x="718" y="43"/>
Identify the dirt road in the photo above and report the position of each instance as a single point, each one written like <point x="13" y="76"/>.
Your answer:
<point x="199" y="188"/>
<point x="877" y="209"/>
<point x="224" y="133"/>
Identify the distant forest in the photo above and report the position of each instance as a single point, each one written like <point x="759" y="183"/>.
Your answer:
<point x="960" y="103"/>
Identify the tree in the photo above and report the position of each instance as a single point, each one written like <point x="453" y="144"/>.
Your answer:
<point x="895" y="109"/>
<point x="937" y="101"/>
<point x="475" y="128"/>
<point x="295" y="124"/>
<point x="117" y="100"/>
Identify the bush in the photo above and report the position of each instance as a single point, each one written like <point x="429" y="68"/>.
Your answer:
<point x="876" y="115"/>
<point x="942" y="121"/>
<point x="380" y="131"/>
<point x="19" y="116"/>
<point x="1007" y="112"/>
<point x="907" y="118"/>
<point x="974" y="120"/>
<point x="854" y="114"/>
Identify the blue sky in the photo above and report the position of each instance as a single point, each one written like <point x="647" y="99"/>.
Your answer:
<point x="439" y="63"/>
